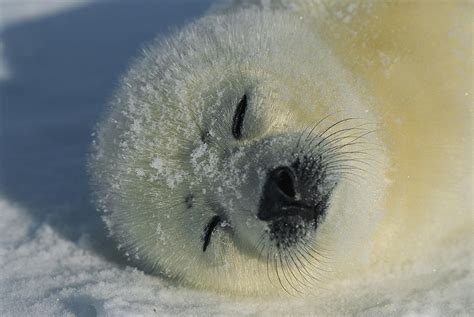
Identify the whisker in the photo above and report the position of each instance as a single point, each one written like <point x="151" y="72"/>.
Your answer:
<point x="329" y="163"/>
<point x="337" y="142"/>
<point x="353" y="142"/>
<point x="302" y="274"/>
<point x="348" y="179"/>
<point x="320" y="251"/>
<point x="308" y="247"/>
<point x="356" y="154"/>
<point x="309" y="263"/>
<point x="286" y="277"/>
<point x="328" y="138"/>
<point x="345" y="167"/>
<point x="336" y="166"/>
<point x="337" y="123"/>
<point x="309" y="145"/>
<point x="292" y="273"/>
<point x="278" y="275"/>
<point x="315" y="126"/>
<point x="341" y="174"/>
<point x="268" y="265"/>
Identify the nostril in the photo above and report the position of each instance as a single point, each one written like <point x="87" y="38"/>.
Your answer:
<point x="279" y="195"/>
<point x="285" y="181"/>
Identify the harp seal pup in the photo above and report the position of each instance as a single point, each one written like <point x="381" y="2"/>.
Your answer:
<point x="271" y="147"/>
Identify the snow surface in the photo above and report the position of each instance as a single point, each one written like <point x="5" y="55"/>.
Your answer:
<point x="45" y="273"/>
<point x="59" y="62"/>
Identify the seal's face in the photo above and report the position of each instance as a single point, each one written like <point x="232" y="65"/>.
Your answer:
<point x="272" y="188"/>
<point x="228" y="149"/>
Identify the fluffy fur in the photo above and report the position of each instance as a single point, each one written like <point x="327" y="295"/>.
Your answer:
<point x="384" y="86"/>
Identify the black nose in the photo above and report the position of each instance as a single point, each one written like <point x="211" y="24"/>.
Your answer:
<point x="281" y="196"/>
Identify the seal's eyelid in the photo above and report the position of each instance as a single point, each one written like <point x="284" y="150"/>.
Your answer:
<point x="238" y="120"/>
<point x="208" y="230"/>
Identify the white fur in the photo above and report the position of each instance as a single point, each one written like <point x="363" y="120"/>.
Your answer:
<point x="149" y="155"/>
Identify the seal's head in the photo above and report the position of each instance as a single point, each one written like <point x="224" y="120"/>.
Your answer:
<point x="233" y="156"/>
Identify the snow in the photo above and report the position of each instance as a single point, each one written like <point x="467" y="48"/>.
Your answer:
<point x="59" y="62"/>
<point x="46" y="274"/>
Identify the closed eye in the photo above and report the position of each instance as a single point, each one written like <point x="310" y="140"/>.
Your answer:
<point x="239" y="115"/>
<point x="208" y="230"/>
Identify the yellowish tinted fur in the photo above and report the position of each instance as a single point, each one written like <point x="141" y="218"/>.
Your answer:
<point x="405" y="65"/>
<point x="416" y="57"/>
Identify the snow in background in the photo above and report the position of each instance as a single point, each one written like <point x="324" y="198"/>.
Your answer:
<point x="59" y="62"/>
